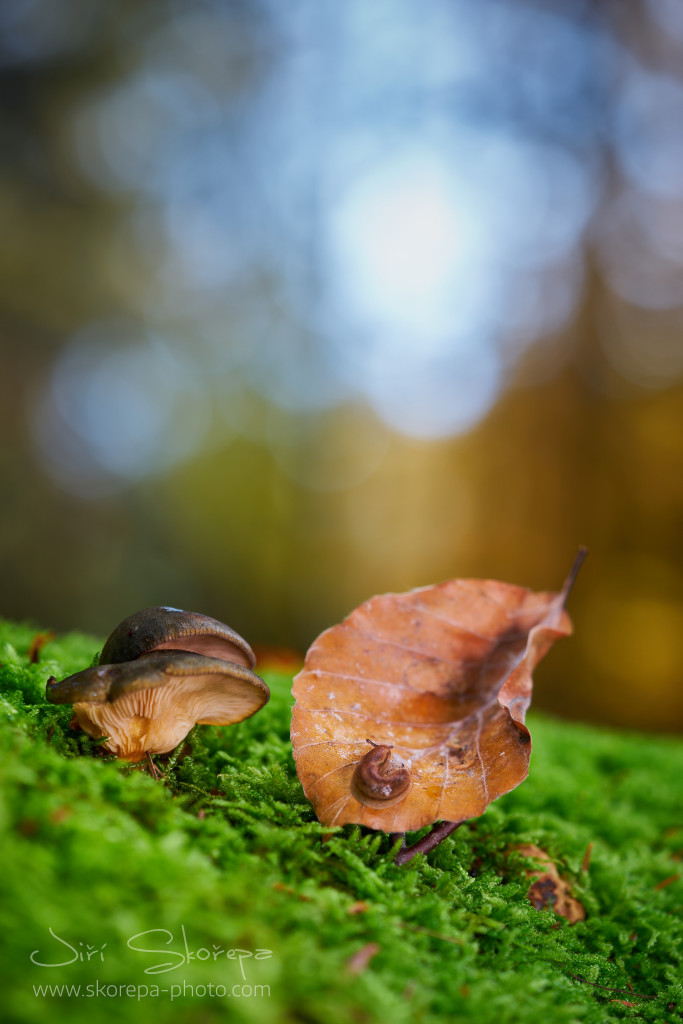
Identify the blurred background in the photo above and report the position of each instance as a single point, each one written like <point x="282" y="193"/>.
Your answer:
<point x="301" y="302"/>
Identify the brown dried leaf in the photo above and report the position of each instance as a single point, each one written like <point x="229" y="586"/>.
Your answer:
<point x="549" y="891"/>
<point x="438" y="681"/>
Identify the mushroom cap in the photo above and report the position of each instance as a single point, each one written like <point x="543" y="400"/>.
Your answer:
<point x="151" y="704"/>
<point x="162" y="628"/>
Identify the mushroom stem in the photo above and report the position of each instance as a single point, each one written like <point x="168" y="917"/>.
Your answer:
<point x="153" y="770"/>
<point x="429" y="842"/>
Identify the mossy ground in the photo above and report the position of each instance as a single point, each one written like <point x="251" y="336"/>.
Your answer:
<point x="228" y="847"/>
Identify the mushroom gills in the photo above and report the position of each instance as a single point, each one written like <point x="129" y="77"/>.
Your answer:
<point x="157" y="719"/>
<point x="150" y="704"/>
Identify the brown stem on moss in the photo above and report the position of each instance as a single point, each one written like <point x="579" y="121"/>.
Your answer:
<point x="153" y="770"/>
<point x="429" y="842"/>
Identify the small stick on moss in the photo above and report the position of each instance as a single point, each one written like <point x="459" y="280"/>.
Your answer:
<point x="37" y="644"/>
<point x="428" y="931"/>
<point x="587" y="858"/>
<point x="667" y="881"/>
<point x="153" y="770"/>
<point x="607" y="988"/>
<point x="429" y="842"/>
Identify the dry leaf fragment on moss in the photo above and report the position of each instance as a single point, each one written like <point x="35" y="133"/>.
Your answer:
<point x="360" y="960"/>
<point x="549" y="891"/>
<point x="411" y="710"/>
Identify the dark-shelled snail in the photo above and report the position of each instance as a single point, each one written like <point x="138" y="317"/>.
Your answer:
<point x="161" y="671"/>
<point x="157" y="629"/>
<point x="379" y="781"/>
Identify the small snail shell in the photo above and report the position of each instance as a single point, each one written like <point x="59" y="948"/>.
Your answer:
<point x="378" y="781"/>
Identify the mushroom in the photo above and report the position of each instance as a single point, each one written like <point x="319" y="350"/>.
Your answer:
<point x="162" y="671"/>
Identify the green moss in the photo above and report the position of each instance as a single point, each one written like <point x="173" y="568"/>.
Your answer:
<point x="228" y="846"/>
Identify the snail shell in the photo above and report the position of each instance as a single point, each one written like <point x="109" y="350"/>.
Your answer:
<point x="161" y="628"/>
<point x="378" y="780"/>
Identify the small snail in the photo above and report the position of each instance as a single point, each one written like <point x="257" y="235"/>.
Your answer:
<point x="161" y="671"/>
<point x="157" y="629"/>
<point x="377" y="781"/>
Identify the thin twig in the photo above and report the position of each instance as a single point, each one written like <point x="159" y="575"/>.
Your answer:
<point x="153" y="770"/>
<point x="607" y="988"/>
<point x="429" y="842"/>
<point x="587" y="858"/>
<point x="573" y="573"/>
<point x="428" y="931"/>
